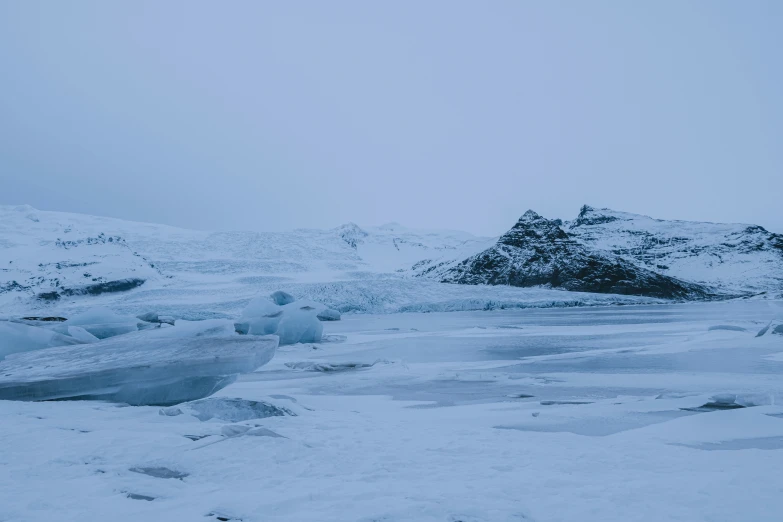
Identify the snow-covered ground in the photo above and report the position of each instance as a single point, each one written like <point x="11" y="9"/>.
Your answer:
<point x="568" y="414"/>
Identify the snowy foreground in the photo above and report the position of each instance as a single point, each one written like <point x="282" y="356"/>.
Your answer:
<point x="653" y="413"/>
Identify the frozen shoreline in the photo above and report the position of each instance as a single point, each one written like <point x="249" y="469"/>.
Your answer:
<point x="473" y="416"/>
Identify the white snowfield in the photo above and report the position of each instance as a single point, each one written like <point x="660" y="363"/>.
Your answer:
<point x="606" y="414"/>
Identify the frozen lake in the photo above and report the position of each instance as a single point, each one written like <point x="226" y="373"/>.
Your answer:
<point x="649" y="413"/>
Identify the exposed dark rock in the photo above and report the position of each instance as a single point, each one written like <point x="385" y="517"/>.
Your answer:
<point x="100" y="239"/>
<point x="45" y="319"/>
<point x="122" y="285"/>
<point x="136" y="496"/>
<point x="537" y="251"/>
<point x="12" y="286"/>
<point x="722" y="401"/>
<point x="49" y="296"/>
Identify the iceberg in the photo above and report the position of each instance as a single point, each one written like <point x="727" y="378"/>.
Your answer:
<point x="295" y="322"/>
<point x="300" y="324"/>
<point x="103" y="323"/>
<point x="154" y="367"/>
<point x="260" y="317"/>
<point x="19" y="337"/>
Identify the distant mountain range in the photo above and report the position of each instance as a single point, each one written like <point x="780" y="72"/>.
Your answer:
<point x="46" y="256"/>
<point x="616" y="252"/>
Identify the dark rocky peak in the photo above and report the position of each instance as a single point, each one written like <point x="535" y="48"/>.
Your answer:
<point x="530" y="215"/>
<point x="592" y="216"/>
<point x="532" y="228"/>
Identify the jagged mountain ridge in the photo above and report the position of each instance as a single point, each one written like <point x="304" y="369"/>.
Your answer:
<point x="538" y="251"/>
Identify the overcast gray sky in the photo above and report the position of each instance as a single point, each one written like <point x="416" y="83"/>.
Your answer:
<point x="276" y="115"/>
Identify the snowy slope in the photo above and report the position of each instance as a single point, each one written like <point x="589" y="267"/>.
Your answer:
<point x="27" y="235"/>
<point x="48" y="255"/>
<point x="735" y="257"/>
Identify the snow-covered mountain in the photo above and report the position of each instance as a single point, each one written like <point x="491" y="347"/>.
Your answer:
<point x="537" y="251"/>
<point x="53" y="257"/>
<point x="733" y="257"/>
<point x="51" y="251"/>
<point x="59" y="260"/>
